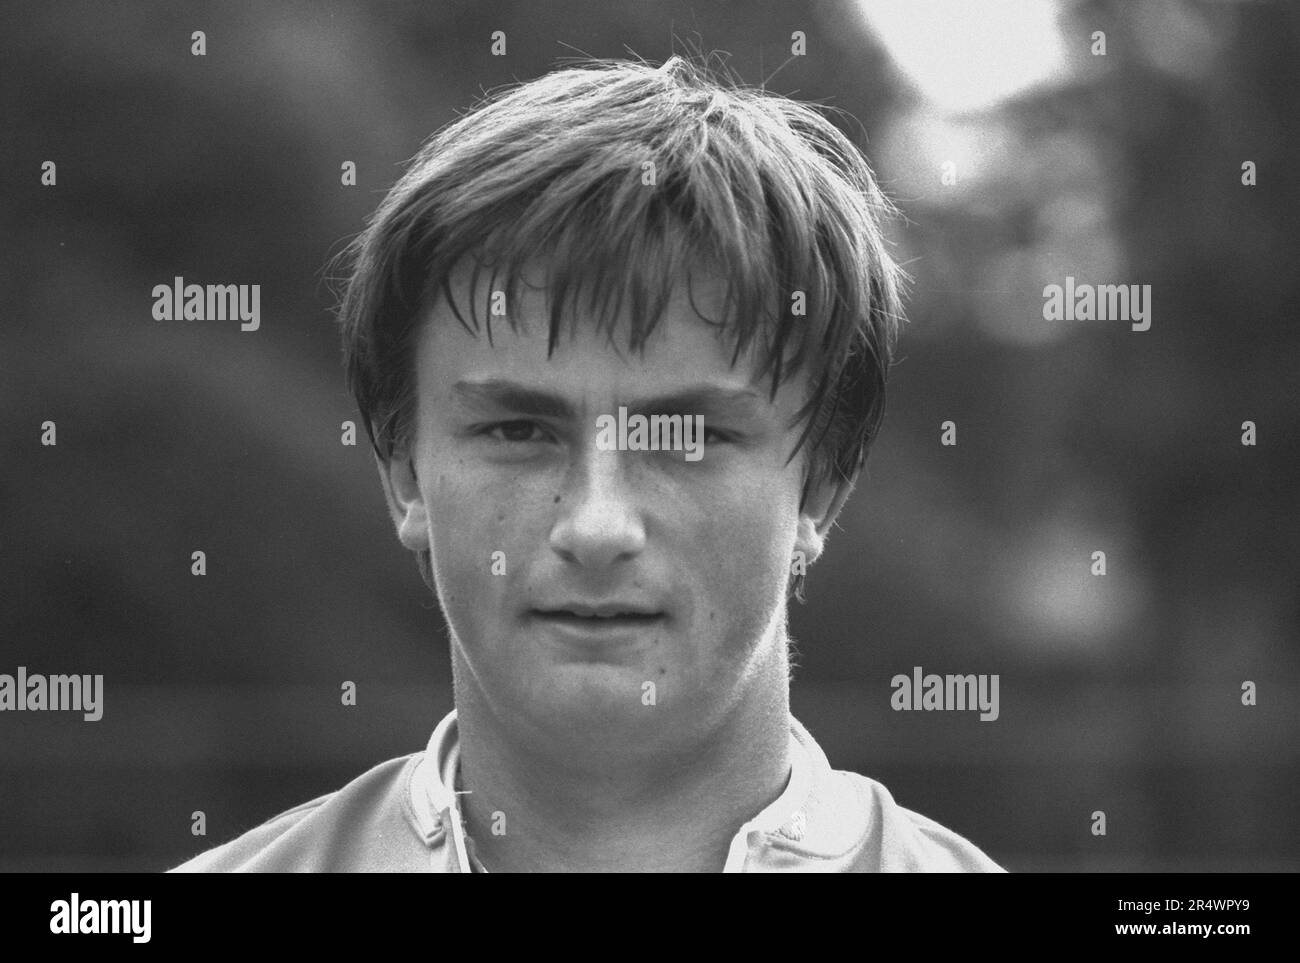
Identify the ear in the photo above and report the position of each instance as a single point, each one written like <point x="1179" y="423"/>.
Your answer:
<point x="405" y="501"/>
<point x="820" y="509"/>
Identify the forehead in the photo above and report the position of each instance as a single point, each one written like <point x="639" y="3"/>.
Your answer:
<point x="689" y="346"/>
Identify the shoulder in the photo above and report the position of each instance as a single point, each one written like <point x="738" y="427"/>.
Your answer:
<point x="899" y="840"/>
<point x="851" y="823"/>
<point x="365" y="826"/>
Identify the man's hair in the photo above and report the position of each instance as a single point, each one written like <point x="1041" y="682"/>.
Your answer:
<point x="617" y="177"/>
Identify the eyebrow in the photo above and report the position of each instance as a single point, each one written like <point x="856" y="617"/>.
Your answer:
<point x="694" y="399"/>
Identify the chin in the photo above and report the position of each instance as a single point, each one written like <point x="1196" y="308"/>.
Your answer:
<point x="598" y="702"/>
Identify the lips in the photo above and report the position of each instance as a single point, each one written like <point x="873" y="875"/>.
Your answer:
<point x="588" y="616"/>
<point x="609" y="635"/>
<point x="601" y="613"/>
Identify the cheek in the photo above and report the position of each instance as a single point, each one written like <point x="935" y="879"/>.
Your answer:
<point x="477" y="533"/>
<point x="746" y="540"/>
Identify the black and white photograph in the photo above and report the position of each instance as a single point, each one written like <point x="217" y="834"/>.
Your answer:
<point x="850" y="436"/>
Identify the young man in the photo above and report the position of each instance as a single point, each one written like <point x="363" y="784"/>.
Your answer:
<point x="649" y="242"/>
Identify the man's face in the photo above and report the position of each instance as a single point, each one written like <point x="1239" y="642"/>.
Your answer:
<point x="536" y="532"/>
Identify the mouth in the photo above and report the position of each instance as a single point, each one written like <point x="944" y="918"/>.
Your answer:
<point x="587" y="618"/>
<point x="614" y="632"/>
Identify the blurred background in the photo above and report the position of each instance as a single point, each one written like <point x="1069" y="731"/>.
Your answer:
<point x="1119" y="693"/>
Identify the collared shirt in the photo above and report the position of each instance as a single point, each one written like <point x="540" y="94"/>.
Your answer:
<point x="404" y="816"/>
<point x="436" y="801"/>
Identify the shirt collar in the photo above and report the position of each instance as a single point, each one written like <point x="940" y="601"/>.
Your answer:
<point x="437" y="804"/>
<point x="434" y="798"/>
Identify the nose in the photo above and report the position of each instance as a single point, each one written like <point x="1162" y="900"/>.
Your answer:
<point x="600" y="521"/>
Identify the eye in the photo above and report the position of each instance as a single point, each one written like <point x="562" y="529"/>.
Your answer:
<point x="709" y="439"/>
<point x="514" y="431"/>
<point x="711" y="435"/>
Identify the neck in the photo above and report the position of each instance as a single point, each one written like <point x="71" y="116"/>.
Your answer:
<point x="533" y="805"/>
